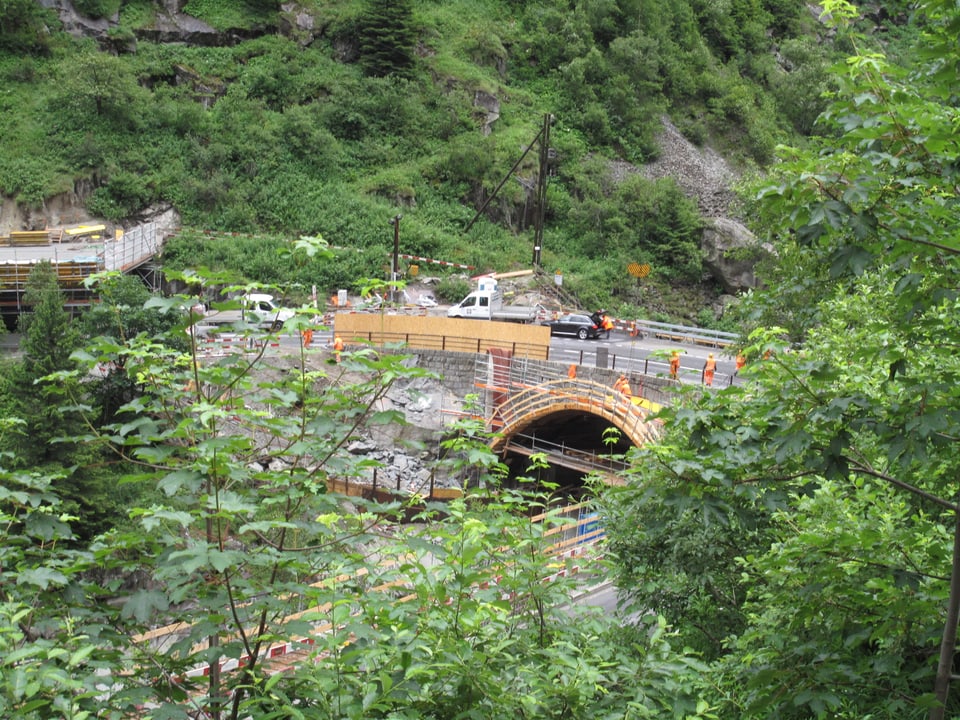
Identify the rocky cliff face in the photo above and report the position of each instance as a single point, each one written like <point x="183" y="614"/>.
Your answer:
<point x="64" y="209"/>
<point x="171" y="25"/>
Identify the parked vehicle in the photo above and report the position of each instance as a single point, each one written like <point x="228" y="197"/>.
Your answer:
<point x="580" y="326"/>
<point x="256" y="309"/>
<point x="426" y="300"/>
<point x="486" y="303"/>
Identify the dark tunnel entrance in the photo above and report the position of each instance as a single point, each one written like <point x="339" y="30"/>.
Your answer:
<point x="575" y="444"/>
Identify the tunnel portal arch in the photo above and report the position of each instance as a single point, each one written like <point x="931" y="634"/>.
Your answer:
<point x="531" y="405"/>
<point x="572" y="415"/>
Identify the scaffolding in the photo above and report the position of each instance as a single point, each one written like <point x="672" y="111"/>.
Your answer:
<point x="130" y="251"/>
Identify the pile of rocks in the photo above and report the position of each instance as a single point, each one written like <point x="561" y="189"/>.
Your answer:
<point x="399" y="470"/>
<point x="702" y="173"/>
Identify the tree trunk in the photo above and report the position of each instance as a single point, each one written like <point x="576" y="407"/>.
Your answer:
<point x="948" y="642"/>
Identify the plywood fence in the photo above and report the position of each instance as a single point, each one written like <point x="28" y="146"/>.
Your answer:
<point x="447" y="334"/>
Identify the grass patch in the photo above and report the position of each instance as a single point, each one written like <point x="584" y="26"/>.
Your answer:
<point x="231" y="14"/>
<point x="138" y="14"/>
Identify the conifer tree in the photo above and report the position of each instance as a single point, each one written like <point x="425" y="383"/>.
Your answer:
<point x="49" y="337"/>
<point x="387" y="38"/>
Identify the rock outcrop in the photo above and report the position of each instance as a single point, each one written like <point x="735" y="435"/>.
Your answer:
<point x="489" y="107"/>
<point x="77" y="24"/>
<point x="171" y="25"/>
<point x="64" y="209"/>
<point x="730" y="253"/>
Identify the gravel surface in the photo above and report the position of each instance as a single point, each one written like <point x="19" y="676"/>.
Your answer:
<point x="700" y="172"/>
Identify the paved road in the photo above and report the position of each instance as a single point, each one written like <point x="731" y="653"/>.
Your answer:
<point x="639" y="355"/>
<point x="604" y="597"/>
<point x="647" y="355"/>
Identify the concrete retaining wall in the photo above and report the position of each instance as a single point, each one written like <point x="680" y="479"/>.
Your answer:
<point x="459" y="374"/>
<point x="454" y="348"/>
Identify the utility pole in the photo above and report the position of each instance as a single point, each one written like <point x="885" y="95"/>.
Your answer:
<point x="543" y="137"/>
<point x="541" y="209"/>
<point x="395" y="275"/>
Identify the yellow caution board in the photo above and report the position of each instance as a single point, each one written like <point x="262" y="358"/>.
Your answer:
<point x="92" y="231"/>
<point x="648" y="404"/>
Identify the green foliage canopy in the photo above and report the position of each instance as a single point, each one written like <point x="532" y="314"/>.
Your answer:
<point x="831" y="474"/>
<point x="244" y="548"/>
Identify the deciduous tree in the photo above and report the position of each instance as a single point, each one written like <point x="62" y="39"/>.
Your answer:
<point x="247" y="549"/>
<point x="844" y="447"/>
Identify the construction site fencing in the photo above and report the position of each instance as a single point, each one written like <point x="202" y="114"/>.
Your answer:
<point x="650" y="366"/>
<point x="655" y="367"/>
<point x="444" y="343"/>
<point x="74" y="263"/>
<point x="523" y="373"/>
<point x="71" y="273"/>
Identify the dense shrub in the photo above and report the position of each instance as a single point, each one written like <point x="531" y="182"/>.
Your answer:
<point x="453" y="289"/>
<point x="97" y="8"/>
<point x="23" y="26"/>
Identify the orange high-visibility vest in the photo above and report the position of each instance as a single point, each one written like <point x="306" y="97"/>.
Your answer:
<point x="708" y="369"/>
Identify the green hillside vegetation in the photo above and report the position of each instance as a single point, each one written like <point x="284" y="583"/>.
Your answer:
<point x="376" y="116"/>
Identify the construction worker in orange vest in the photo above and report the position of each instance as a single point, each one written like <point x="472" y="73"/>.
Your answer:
<point x="337" y="347"/>
<point x="675" y="364"/>
<point x="709" y="368"/>
<point x="607" y="325"/>
<point x="623" y="385"/>
<point x="741" y="360"/>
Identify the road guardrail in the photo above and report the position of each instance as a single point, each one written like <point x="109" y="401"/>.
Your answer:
<point x="684" y="333"/>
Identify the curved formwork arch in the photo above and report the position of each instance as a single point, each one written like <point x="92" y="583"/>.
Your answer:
<point x="526" y="407"/>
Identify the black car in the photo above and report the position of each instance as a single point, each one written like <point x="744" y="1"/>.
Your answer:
<point x="580" y="325"/>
